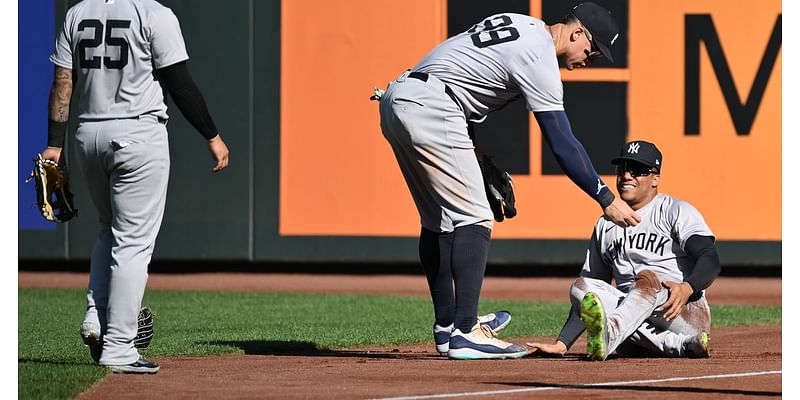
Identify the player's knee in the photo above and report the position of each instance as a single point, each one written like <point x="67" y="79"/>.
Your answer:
<point x="647" y="280"/>
<point x="577" y="290"/>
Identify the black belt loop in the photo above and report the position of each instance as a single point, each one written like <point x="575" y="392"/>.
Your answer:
<point x="418" y="75"/>
<point x="424" y="77"/>
<point x="450" y="93"/>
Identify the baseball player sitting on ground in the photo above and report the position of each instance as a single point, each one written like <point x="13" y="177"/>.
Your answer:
<point x="424" y="116"/>
<point x="661" y="267"/>
<point x="109" y="51"/>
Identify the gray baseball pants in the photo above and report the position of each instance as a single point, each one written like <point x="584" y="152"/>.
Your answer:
<point x="640" y="323"/>
<point x="126" y="166"/>
<point x="428" y="134"/>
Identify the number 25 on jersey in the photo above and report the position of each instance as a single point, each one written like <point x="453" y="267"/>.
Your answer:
<point x="97" y="41"/>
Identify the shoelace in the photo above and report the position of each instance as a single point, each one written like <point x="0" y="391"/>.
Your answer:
<point x="487" y="331"/>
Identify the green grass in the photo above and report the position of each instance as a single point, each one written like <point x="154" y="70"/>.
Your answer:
<point x="727" y="315"/>
<point x="53" y="363"/>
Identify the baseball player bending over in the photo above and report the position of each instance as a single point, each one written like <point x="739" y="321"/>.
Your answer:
<point x="424" y="116"/>
<point x="109" y="50"/>
<point x="661" y="266"/>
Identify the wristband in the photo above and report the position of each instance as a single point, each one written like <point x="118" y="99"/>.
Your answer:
<point x="56" y="132"/>
<point x="605" y="198"/>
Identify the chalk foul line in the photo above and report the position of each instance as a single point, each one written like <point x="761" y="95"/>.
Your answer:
<point x="579" y="386"/>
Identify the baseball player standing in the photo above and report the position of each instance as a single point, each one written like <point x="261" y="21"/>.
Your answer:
<point x="110" y="50"/>
<point x="424" y="116"/>
<point x="661" y="267"/>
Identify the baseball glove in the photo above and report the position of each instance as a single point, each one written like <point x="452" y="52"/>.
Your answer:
<point x="499" y="189"/>
<point x="144" y="334"/>
<point x="52" y="190"/>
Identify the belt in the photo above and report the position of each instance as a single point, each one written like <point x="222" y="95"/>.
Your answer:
<point x="160" y="119"/>
<point x="424" y="77"/>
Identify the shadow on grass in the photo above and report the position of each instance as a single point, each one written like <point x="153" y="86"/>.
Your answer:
<point x="309" y="349"/>
<point x="57" y="362"/>
<point x="639" y="388"/>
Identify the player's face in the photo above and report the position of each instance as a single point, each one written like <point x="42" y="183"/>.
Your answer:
<point x="637" y="183"/>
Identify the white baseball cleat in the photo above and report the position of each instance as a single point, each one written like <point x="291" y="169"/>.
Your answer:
<point x="481" y="343"/>
<point x="496" y="321"/>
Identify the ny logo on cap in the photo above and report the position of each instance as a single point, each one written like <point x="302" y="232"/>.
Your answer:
<point x="633" y="148"/>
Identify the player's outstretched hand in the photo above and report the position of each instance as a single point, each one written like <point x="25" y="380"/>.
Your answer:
<point x="219" y="151"/>
<point x="557" y="349"/>
<point x="620" y="213"/>
<point x="679" y="293"/>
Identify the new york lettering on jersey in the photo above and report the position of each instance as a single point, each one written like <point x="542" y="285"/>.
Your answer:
<point x="654" y="240"/>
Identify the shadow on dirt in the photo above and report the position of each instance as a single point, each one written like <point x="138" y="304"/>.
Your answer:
<point x="310" y="349"/>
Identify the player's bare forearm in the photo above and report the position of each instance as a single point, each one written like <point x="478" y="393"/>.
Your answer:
<point x="60" y="95"/>
<point x="58" y="113"/>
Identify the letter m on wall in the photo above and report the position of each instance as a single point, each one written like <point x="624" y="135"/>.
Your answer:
<point x="700" y="28"/>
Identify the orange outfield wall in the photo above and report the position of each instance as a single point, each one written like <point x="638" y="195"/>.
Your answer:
<point x="338" y="176"/>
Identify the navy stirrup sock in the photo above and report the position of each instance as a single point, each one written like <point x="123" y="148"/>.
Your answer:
<point x="434" y="253"/>
<point x="469" y="254"/>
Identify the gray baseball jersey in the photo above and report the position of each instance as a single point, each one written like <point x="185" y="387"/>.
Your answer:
<point x="655" y="244"/>
<point x="113" y="46"/>
<point x="501" y="58"/>
<point x="485" y="76"/>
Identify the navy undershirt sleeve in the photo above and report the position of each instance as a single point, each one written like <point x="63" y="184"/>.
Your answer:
<point x="572" y="156"/>
<point x="706" y="261"/>
<point x="187" y="97"/>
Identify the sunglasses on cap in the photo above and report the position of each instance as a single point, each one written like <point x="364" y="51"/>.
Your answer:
<point x="592" y="56"/>
<point x="595" y="53"/>
<point x="635" y="169"/>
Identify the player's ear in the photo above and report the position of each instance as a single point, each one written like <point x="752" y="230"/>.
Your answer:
<point x="576" y="33"/>
<point x="656" y="178"/>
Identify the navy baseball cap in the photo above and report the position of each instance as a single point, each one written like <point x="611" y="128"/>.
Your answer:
<point x="601" y="25"/>
<point x="642" y="152"/>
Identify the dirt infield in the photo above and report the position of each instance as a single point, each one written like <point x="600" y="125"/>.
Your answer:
<point x="746" y="362"/>
<point x="760" y="291"/>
